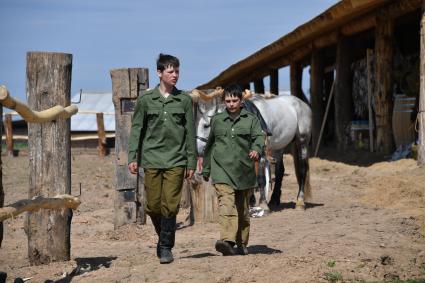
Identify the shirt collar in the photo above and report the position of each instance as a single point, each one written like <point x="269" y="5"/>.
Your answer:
<point x="243" y="113"/>
<point x="175" y="94"/>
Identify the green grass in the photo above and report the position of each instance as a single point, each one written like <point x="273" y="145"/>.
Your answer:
<point x="333" y="276"/>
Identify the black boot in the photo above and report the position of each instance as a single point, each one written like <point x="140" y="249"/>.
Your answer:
<point x="156" y="221"/>
<point x="167" y="239"/>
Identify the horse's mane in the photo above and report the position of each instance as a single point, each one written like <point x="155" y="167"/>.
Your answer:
<point x="250" y="95"/>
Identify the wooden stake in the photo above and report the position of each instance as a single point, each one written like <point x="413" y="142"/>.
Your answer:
<point x="369" y="53"/>
<point x="8" y="133"/>
<point x="101" y="133"/>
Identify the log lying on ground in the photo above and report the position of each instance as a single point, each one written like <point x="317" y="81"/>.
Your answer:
<point x="32" y="116"/>
<point x="57" y="202"/>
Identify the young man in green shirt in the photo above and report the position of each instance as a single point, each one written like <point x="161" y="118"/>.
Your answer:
<point x="235" y="142"/>
<point x="164" y="128"/>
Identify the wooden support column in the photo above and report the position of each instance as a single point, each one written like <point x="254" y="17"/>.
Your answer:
<point x="8" y="131"/>
<point x="1" y="180"/>
<point x="274" y="81"/>
<point x="259" y="86"/>
<point x="384" y="50"/>
<point x="49" y="144"/>
<point x="245" y="86"/>
<point x="296" y="79"/>
<point x="316" y="96"/>
<point x="101" y="149"/>
<point x="127" y="85"/>
<point x="421" y="113"/>
<point x="343" y="97"/>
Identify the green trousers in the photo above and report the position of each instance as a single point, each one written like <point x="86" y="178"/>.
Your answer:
<point x="163" y="191"/>
<point x="233" y="213"/>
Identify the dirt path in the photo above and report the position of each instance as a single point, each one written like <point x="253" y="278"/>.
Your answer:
<point x="365" y="224"/>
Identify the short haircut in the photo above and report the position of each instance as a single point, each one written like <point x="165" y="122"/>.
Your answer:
<point x="164" y="61"/>
<point x="233" y="90"/>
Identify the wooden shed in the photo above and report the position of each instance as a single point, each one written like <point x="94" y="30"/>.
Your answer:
<point x="367" y="53"/>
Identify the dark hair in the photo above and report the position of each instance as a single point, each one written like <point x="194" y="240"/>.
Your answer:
<point x="165" y="60"/>
<point x="233" y="90"/>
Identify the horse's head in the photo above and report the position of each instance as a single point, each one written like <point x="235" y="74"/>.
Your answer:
<point x="207" y="105"/>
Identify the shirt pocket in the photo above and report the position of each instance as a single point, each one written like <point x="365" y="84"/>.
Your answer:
<point x="153" y="119"/>
<point x="243" y="136"/>
<point x="178" y="115"/>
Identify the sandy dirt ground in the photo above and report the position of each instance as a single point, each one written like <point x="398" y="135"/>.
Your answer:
<point x="366" y="223"/>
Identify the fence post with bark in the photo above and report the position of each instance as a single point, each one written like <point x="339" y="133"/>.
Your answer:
<point x="127" y="85"/>
<point x="49" y="84"/>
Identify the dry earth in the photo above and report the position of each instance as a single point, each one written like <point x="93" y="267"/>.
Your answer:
<point x="366" y="223"/>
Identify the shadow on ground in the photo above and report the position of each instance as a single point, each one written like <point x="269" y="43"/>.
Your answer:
<point x="85" y="265"/>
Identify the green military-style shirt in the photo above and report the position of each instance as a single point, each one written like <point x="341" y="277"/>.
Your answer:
<point x="166" y="128"/>
<point x="226" y="154"/>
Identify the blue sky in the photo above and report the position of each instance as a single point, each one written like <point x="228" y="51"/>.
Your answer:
<point x="207" y="36"/>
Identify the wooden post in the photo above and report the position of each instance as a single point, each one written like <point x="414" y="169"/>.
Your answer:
<point x="8" y="131"/>
<point x="204" y="202"/>
<point x="1" y="180"/>
<point x="384" y="38"/>
<point x="369" y="62"/>
<point x="296" y="79"/>
<point x="421" y="113"/>
<point x="101" y="134"/>
<point x="274" y="81"/>
<point x="48" y="84"/>
<point x="343" y="98"/>
<point x="259" y="85"/>
<point x="127" y="85"/>
<point x="316" y="96"/>
<point x="245" y="86"/>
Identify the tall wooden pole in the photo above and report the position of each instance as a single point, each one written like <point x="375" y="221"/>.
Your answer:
<point x="127" y="85"/>
<point x="101" y="148"/>
<point x="259" y="85"/>
<point x="421" y="113"/>
<point x="296" y="79"/>
<point x="317" y="93"/>
<point x="274" y="81"/>
<point x="49" y="84"/>
<point x="384" y="40"/>
<point x="1" y="180"/>
<point x="343" y="97"/>
<point x="8" y="129"/>
<point x="369" y="54"/>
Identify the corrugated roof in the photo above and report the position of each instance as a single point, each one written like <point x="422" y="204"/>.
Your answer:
<point x="90" y="104"/>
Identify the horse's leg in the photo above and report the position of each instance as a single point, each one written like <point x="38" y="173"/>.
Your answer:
<point x="263" y="183"/>
<point x="300" y="154"/>
<point x="279" y="171"/>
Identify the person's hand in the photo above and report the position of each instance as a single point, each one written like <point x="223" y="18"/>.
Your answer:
<point x="189" y="173"/>
<point x="254" y="155"/>
<point x="132" y="167"/>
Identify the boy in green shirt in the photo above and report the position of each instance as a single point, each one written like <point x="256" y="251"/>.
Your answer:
<point x="235" y="142"/>
<point x="163" y="125"/>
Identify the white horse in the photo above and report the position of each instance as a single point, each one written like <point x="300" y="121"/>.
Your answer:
<point x="289" y="120"/>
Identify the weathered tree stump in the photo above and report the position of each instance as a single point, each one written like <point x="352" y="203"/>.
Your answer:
<point x="49" y="84"/>
<point x="127" y="85"/>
